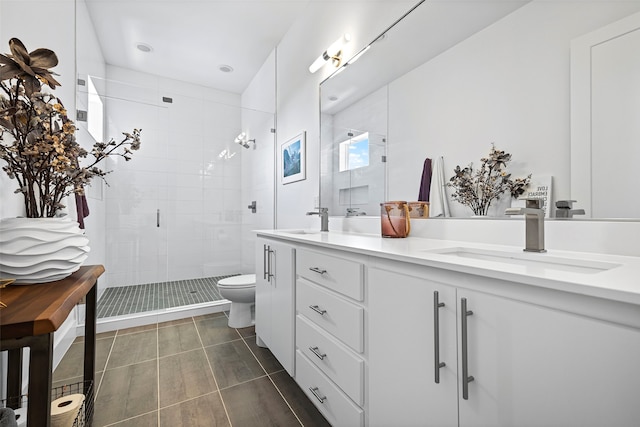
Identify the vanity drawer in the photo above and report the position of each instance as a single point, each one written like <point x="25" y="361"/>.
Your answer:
<point x="339" y="274"/>
<point x="336" y="407"/>
<point x="336" y="315"/>
<point x="334" y="359"/>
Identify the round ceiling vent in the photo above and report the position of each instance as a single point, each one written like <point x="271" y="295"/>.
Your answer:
<point x="225" y="68"/>
<point x="143" y="47"/>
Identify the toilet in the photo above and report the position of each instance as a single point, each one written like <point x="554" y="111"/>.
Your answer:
<point x="241" y="291"/>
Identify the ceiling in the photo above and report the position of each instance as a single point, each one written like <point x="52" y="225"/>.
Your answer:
<point x="191" y="39"/>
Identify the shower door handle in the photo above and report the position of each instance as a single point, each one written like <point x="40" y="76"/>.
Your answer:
<point x="158" y="218"/>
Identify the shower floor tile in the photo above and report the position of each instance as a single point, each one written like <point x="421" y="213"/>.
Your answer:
<point x="123" y="300"/>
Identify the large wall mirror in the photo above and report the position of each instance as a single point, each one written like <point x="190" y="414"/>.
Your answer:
<point x="449" y="79"/>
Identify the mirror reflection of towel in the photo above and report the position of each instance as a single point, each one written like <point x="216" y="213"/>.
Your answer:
<point x="82" y="208"/>
<point x="425" y="182"/>
<point x="439" y="204"/>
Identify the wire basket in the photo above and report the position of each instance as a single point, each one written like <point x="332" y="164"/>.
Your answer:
<point x="86" y="410"/>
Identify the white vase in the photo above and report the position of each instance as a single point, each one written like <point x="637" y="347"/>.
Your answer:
<point x="39" y="250"/>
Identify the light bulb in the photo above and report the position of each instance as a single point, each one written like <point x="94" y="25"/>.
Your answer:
<point x="330" y="52"/>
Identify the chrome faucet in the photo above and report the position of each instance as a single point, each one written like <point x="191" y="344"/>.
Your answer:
<point x="565" y="209"/>
<point x="534" y="224"/>
<point x="354" y="212"/>
<point x="324" y="218"/>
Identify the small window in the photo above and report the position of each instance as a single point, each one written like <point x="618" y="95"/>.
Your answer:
<point x="354" y="152"/>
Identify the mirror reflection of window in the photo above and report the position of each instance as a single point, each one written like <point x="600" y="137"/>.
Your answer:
<point x="95" y="119"/>
<point x="354" y="152"/>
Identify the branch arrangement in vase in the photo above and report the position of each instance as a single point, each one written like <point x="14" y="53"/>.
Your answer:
<point x="477" y="189"/>
<point x="37" y="138"/>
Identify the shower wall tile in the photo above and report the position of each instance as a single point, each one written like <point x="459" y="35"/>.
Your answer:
<point x="185" y="193"/>
<point x="226" y="114"/>
<point x="186" y="180"/>
<point x="186" y="272"/>
<point x="186" y="209"/>
<point x="141" y="163"/>
<point x="221" y="97"/>
<point x="191" y="166"/>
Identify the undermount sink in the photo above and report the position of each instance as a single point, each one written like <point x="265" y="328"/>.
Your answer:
<point x="299" y="231"/>
<point x="541" y="261"/>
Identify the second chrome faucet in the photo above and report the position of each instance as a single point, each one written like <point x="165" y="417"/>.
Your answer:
<point x="534" y="224"/>
<point x="323" y="213"/>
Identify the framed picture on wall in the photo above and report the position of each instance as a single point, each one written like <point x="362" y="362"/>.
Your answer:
<point x="293" y="159"/>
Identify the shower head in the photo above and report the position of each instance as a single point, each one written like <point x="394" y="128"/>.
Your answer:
<point x="243" y="141"/>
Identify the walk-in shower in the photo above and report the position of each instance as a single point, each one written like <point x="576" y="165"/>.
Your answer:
<point x="171" y="219"/>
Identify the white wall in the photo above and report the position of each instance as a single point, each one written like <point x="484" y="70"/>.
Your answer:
<point x="508" y="84"/>
<point x="258" y="162"/>
<point x="90" y="62"/>
<point x="18" y="18"/>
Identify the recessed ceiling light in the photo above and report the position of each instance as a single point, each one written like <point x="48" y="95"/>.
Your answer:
<point x="225" y="68"/>
<point x="143" y="47"/>
<point x="333" y="98"/>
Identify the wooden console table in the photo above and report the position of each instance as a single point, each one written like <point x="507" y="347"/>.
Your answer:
<point x="32" y="315"/>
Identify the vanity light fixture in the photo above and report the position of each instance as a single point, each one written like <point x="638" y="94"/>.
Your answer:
<point x="242" y="140"/>
<point x="333" y="53"/>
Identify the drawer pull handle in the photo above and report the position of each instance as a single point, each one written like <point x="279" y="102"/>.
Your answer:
<point x="317" y="309"/>
<point x="315" y="392"/>
<point x="315" y="351"/>
<point x="317" y="270"/>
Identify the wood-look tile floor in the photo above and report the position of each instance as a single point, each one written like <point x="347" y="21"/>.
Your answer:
<point x="190" y="372"/>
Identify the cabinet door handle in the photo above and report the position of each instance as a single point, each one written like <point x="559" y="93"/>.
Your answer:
<point x="436" y="336"/>
<point x="315" y="351"/>
<point x="466" y="378"/>
<point x="269" y="258"/>
<point x="264" y="262"/>
<point x="317" y="309"/>
<point x="317" y="270"/>
<point x="316" y="393"/>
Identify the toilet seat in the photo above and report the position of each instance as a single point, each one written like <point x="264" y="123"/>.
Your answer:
<point x="238" y="282"/>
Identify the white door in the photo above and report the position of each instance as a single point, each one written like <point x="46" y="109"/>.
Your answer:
<point x="402" y="351"/>
<point x="263" y="292"/>
<point x="274" y="315"/>
<point x="534" y="366"/>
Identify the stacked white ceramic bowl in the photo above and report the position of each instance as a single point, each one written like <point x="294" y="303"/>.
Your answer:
<point x="38" y="250"/>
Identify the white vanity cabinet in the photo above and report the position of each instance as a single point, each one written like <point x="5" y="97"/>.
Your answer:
<point x="330" y="333"/>
<point x="275" y="278"/>
<point x="532" y="365"/>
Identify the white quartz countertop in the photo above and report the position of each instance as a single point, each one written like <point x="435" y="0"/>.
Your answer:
<point x="612" y="277"/>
